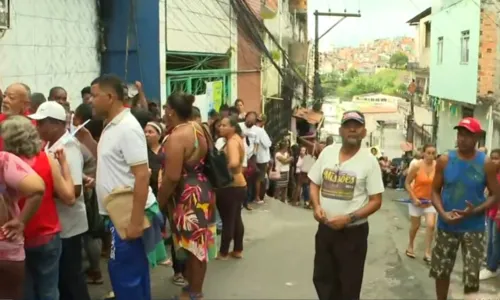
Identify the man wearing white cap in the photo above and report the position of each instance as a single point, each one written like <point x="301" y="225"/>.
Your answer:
<point x="51" y="124"/>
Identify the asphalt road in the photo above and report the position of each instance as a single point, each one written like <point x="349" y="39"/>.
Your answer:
<point x="279" y="250"/>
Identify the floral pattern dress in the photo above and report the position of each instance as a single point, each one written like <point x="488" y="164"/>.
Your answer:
<point x="194" y="213"/>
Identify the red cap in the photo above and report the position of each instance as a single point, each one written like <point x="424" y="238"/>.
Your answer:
<point x="471" y="124"/>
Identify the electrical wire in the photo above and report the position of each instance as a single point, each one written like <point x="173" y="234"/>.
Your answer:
<point x="255" y="21"/>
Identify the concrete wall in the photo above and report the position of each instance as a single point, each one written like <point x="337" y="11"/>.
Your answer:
<point x="423" y="51"/>
<point x="51" y="43"/>
<point x="448" y="23"/>
<point x="198" y="26"/>
<point x="447" y="136"/>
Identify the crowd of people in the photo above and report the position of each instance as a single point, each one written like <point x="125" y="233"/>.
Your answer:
<point x="161" y="189"/>
<point x="63" y="169"/>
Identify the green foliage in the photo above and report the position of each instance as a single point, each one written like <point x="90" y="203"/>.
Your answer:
<point x="330" y="82"/>
<point x="276" y="55"/>
<point x="351" y="83"/>
<point x="398" y="60"/>
<point x="385" y="81"/>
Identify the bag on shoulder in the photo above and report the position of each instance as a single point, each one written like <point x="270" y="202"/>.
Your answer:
<point x="216" y="168"/>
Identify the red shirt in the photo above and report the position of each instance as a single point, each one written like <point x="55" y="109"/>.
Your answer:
<point x="3" y="117"/>
<point x="45" y="223"/>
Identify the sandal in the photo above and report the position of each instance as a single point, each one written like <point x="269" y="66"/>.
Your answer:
<point x="410" y="254"/>
<point x="237" y="255"/>
<point x="94" y="277"/>
<point x="110" y="296"/>
<point x="222" y="257"/>
<point x="427" y="259"/>
<point x="166" y="263"/>
<point x="179" y="280"/>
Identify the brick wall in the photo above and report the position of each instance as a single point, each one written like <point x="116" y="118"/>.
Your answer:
<point x="488" y="54"/>
<point x="249" y="64"/>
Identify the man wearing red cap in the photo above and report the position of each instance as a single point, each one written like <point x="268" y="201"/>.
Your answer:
<point x="458" y="196"/>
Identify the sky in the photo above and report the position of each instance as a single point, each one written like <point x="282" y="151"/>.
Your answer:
<point x="379" y="19"/>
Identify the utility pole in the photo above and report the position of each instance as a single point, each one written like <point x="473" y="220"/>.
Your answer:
<point x="318" y="90"/>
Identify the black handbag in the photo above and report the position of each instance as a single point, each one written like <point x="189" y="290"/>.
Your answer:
<point x="216" y="168"/>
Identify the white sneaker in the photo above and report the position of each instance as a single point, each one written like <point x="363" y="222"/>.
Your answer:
<point x="487" y="274"/>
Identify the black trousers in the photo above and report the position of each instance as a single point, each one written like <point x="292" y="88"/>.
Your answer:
<point x="72" y="284"/>
<point x="229" y="202"/>
<point x="339" y="262"/>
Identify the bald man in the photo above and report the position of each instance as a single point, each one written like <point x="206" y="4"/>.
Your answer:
<point x="16" y="101"/>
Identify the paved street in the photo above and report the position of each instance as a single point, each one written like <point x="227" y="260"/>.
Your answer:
<point x="279" y="252"/>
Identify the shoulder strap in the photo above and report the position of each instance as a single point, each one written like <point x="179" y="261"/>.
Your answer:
<point x="208" y="137"/>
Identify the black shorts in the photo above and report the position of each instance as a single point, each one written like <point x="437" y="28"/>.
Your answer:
<point x="262" y="170"/>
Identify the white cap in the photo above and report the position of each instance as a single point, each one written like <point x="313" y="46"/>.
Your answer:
<point x="49" y="109"/>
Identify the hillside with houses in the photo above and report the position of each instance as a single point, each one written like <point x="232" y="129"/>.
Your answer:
<point x="367" y="57"/>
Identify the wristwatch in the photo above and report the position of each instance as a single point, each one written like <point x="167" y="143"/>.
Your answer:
<point x="353" y="217"/>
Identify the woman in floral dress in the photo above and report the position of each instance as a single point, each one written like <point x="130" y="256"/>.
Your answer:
<point x="186" y="192"/>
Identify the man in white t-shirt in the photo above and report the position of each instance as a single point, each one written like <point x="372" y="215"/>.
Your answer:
<point x="346" y="187"/>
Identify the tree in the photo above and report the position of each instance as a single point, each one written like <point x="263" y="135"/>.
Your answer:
<point x="330" y="82"/>
<point x="386" y="82"/>
<point x="349" y="76"/>
<point x="398" y="60"/>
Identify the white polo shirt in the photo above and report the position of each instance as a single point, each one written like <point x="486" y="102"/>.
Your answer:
<point x="122" y="145"/>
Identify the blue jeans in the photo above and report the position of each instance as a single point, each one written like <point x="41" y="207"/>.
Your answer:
<point x="129" y="268"/>
<point x="305" y="192"/>
<point x="42" y="271"/>
<point x="493" y="250"/>
<point x="401" y="184"/>
<point x="250" y="191"/>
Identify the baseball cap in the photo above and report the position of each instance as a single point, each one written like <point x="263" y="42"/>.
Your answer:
<point x="353" y="115"/>
<point x="49" y="109"/>
<point x="471" y="124"/>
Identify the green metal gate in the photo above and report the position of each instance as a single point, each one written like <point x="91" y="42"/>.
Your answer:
<point x="193" y="82"/>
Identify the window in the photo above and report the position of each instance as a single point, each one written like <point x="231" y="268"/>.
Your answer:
<point x="427" y="34"/>
<point x="440" y="50"/>
<point x="464" y="43"/>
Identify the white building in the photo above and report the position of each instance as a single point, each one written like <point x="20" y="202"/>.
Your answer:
<point x="50" y="43"/>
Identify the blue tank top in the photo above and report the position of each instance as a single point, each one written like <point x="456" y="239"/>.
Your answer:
<point x="463" y="180"/>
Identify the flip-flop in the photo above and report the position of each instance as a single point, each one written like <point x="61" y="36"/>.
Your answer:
<point x="427" y="259"/>
<point x="410" y="254"/>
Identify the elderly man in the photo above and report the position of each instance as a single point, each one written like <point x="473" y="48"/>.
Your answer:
<point x="16" y="101"/>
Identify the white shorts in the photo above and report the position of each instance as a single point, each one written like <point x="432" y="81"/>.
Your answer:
<point x="419" y="211"/>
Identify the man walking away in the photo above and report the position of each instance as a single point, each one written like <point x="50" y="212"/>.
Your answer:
<point x="458" y="196"/>
<point x="346" y="187"/>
